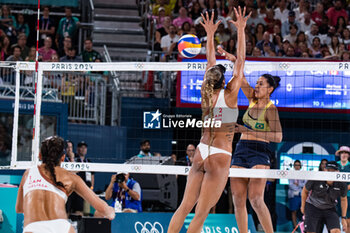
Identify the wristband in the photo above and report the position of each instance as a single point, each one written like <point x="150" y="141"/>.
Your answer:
<point x="343" y="217"/>
<point x="127" y="190"/>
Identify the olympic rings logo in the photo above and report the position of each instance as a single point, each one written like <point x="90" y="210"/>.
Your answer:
<point x="282" y="173"/>
<point x="139" y="66"/>
<point x="148" y="227"/>
<point x="284" y="65"/>
<point x="136" y="168"/>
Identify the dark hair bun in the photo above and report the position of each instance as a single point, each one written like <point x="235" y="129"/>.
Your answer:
<point x="277" y="80"/>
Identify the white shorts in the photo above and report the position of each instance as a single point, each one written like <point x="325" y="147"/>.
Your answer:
<point x="51" y="226"/>
<point x="203" y="149"/>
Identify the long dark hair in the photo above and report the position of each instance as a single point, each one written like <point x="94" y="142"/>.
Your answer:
<point x="51" y="150"/>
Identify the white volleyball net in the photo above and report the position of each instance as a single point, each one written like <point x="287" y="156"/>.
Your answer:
<point x="313" y="102"/>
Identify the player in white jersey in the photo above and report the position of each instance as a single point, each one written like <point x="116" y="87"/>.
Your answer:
<point x="44" y="189"/>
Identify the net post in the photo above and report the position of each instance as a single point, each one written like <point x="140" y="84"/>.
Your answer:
<point x="36" y="136"/>
<point x="15" y="119"/>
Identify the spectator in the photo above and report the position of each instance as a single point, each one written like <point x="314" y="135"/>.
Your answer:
<point x="8" y="23"/>
<point x="77" y="203"/>
<point x="319" y="199"/>
<point x="71" y="56"/>
<point x="22" y="27"/>
<point x="231" y="46"/>
<point x="277" y="41"/>
<point x="16" y="54"/>
<point x="46" y="51"/>
<point x="290" y="52"/>
<point x="211" y="6"/>
<point x="185" y="29"/>
<point x="162" y="3"/>
<point x="277" y="30"/>
<point x="322" y="166"/>
<point x="67" y="27"/>
<point x="182" y="18"/>
<point x="256" y="52"/>
<point x="259" y="32"/>
<point x="270" y="21"/>
<point x="324" y="27"/>
<point x="196" y="11"/>
<point x="292" y="36"/>
<point x="89" y="54"/>
<point x="67" y="43"/>
<point x="249" y="48"/>
<point x="159" y="17"/>
<point x="287" y="23"/>
<point x="265" y="42"/>
<point x="267" y="51"/>
<point x="294" y="193"/>
<point x="343" y="163"/>
<point x="5" y="47"/>
<point x="145" y="147"/>
<point x="300" y="10"/>
<point x="222" y="36"/>
<point x="345" y="56"/>
<point x="173" y="158"/>
<point x="31" y="55"/>
<point x="188" y="159"/>
<point x="306" y="23"/>
<point x="281" y="12"/>
<point x="312" y="34"/>
<point x="55" y="58"/>
<point x="340" y="26"/>
<point x="22" y="43"/>
<point x="254" y="19"/>
<point x="163" y="31"/>
<point x="168" y="43"/>
<point x="262" y="9"/>
<point x="318" y="14"/>
<point x="301" y="49"/>
<point x="46" y="26"/>
<point x="334" y="46"/>
<point x="301" y="37"/>
<point x="125" y="193"/>
<point x="316" y="48"/>
<point x="335" y="12"/>
<point x="70" y="156"/>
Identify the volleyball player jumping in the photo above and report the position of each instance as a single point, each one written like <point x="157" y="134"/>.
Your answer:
<point x="44" y="190"/>
<point x="261" y="126"/>
<point x="210" y="168"/>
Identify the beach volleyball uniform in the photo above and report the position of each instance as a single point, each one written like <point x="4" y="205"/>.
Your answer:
<point x="321" y="203"/>
<point x="223" y="113"/>
<point x="37" y="181"/>
<point x="249" y="153"/>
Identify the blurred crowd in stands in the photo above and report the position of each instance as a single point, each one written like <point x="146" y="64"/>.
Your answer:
<point x="276" y="28"/>
<point x="57" y="41"/>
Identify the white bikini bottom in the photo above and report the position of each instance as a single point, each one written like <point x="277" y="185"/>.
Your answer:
<point x="203" y="149"/>
<point x="51" y="226"/>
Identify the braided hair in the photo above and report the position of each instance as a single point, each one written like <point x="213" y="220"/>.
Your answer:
<point x="51" y="150"/>
<point x="213" y="81"/>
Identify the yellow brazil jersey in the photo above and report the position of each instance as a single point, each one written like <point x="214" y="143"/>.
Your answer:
<point x="258" y="124"/>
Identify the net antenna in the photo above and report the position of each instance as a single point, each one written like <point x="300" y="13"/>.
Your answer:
<point x="37" y="98"/>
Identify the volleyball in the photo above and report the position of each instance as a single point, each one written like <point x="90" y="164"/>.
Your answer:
<point x="189" y="46"/>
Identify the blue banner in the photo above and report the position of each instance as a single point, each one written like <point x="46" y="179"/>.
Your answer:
<point x="298" y="89"/>
<point x="158" y="223"/>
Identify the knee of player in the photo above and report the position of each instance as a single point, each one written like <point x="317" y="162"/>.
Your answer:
<point x="256" y="201"/>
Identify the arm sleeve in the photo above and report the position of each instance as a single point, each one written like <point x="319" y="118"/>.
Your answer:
<point x="344" y="190"/>
<point x="309" y="185"/>
<point x="137" y="188"/>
